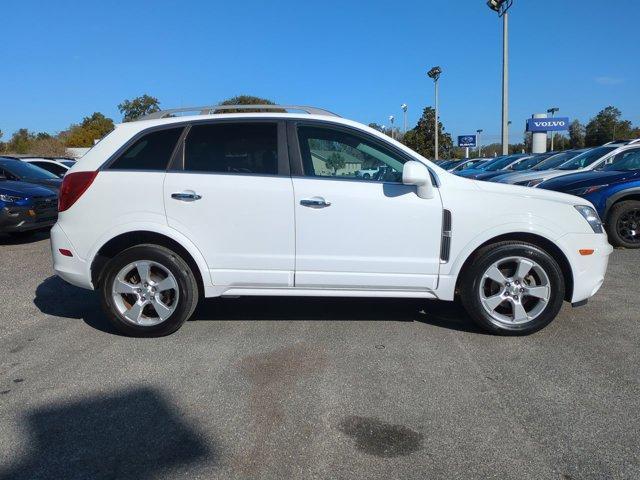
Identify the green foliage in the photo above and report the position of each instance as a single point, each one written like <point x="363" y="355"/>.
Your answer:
<point x="20" y="141"/>
<point x="335" y="162"/>
<point x="247" y="100"/>
<point x="608" y="125"/>
<point x="421" y="138"/>
<point x="138" y="107"/>
<point x="576" y="134"/>
<point x="92" y="128"/>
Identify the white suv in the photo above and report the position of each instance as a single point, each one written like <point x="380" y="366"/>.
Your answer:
<point x="169" y="209"/>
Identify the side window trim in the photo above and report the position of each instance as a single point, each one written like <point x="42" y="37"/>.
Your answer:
<point x="177" y="160"/>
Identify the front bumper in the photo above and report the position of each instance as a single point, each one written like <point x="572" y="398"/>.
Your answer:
<point x="71" y="269"/>
<point x="20" y="218"/>
<point x="588" y="270"/>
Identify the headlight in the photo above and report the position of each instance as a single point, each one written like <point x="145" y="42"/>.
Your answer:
<point x="10" y="198"/>
<point x="586" y="190"/>
<point x="591" y="216"/>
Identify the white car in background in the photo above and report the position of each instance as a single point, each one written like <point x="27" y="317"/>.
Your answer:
<point x="58" y="166"/>
<point x="587" y="160"/>
<point x="168" y="209"/>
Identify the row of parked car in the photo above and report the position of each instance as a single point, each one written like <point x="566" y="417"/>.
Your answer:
<point x="29" y="189"/>
<point x="608" y="176"/>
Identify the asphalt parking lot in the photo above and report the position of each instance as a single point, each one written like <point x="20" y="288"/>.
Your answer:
<point x="313" y="388"/>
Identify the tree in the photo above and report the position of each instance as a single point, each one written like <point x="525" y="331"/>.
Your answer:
<point x="335" y="162"/>
<point x="576" y="134"/>
<point x="421" y="137"/>
<point x="138" y="107"/>
<point x="21" y="141"/>
<point x="246" y="100"/>
<point x="607" y="125"/>
<point x="86" y="133"/>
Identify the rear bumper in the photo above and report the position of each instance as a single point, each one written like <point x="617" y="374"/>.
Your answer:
<point x="71" y="269"/>
<point x="22" y="219"/>
<point x="588" y="270"/>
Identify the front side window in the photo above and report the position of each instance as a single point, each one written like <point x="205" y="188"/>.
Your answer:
<point x="151" y="152"/>
<point x="240" y="148"/>
<point x="328" y="152"/>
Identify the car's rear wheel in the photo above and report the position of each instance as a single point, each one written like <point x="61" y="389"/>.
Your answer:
<point x="512" y="288"/>
<point x="623" y="224"/>
<point x="148" y="291"/>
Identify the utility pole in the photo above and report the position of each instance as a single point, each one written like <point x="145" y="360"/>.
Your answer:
<point x="502" y="7"/>
<point x="552" y="111"/>
<point x="479" y="144"/>
<point x="391" y="119"/>
<point x="434" y="74"/>
<point x="404" y="108"/>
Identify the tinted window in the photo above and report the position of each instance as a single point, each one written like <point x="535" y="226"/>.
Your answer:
<point x="527" y="164"/>
<point x="243" y="148"/>
<point x="51" y="167"/>
<point x="555" y="160"/>
<point x="335" y="153"/>
<point x="151" y="152"/>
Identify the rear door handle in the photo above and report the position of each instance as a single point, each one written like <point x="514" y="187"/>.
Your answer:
<point x="315" y="202"/>
<point x="186" y="196"/>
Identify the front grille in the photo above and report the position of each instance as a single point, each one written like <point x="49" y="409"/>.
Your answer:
<point x="45" y="206"/>
<point x="445" y="245"/>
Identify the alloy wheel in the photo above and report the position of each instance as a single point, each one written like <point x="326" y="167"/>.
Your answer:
<point x="145" y="293"/>
<point x="514" y="291"/>
<point x="628" y="226"/>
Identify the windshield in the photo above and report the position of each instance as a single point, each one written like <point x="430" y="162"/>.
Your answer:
<point x="500" y="163"/>
<point x="26" y="171"/>
<point x="624" y="162"/>
<point x="586" y="158"/>
<point x="527" y="163"/>
<point x="555" y="160"/>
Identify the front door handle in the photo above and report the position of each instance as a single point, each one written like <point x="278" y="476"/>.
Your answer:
<point x="186" y="196"/>
<point x="315" y="202"/>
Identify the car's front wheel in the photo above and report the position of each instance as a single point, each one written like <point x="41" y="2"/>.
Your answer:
<point x="512" y="288"/>
<point x="148" y="291"/>
<point x="623" y="224"/>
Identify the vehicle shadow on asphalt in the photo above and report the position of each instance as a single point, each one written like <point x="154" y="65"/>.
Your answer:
<point x="60" y="299"/>
<point x="27" y="237"/>
<point x="131" y="434"/>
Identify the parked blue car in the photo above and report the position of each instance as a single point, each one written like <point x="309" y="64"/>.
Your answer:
<point x="614" y="189"/>
<point x="26" y="208"/>
<point x="493" y="165"/>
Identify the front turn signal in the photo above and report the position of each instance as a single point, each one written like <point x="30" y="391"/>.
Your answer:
<point x="586" y="251"/>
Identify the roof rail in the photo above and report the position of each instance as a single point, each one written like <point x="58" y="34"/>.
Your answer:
<point x="210" y="109"/>
<point x="633" y="142"/>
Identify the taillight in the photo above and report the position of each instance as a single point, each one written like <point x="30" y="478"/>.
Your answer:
<point x="73" y="186"/>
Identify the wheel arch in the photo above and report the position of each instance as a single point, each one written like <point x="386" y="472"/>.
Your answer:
<point x="624" y="195"/>
<point x="535" y="239"/>
<point x="126" y="240"/>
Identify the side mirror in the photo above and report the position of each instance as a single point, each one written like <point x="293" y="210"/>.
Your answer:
<point x="416" y="173"/>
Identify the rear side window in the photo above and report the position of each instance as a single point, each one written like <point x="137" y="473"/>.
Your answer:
<point x="151" y="152"/>
<point x="241" y="148"/>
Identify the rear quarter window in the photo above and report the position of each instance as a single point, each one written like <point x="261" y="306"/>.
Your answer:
<point x="150" y="152"/>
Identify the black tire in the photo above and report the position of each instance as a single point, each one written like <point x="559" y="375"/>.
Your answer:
<point x="618" y="226"/>
<point x="23" y="235"/>
<point x="366" y="176"/>
<point x="471" y="281"/>
<point x="187" y="289"/>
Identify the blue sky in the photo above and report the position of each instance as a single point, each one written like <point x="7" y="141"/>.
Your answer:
<point x="64" y="60"/>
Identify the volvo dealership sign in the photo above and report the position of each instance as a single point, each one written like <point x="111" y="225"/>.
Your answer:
<point x="467" y="141"/>
<point x="552" y="124"/>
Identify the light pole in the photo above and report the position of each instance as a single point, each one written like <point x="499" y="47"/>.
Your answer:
<point x="479" y="144"/>
<point x="404" y="108"/>
<point x="502" y="7"/>
<point x="552" y="111"/>
<point x="434" y="73"/>
<point x="391" y="119"/>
